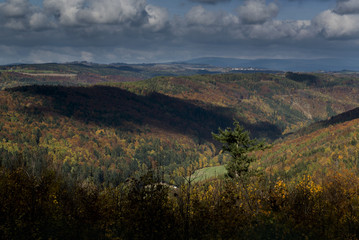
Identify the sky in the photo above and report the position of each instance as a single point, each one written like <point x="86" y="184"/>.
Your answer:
<point x="144" y="31"/>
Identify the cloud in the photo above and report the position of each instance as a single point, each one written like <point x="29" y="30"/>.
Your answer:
<point x="333" y="25"/>
<point x="113" y="11"/>
<point x="157" y="17"/>
<point x="16" y="24"/>
<point x="200" y="24"/>
<point x="136" y="31"/>
<point x="200" y="16"/>
<point x="277" y="30"/>
<point x="210" y="1"/>
<point x="257" y="12"/>
<point x="15" y="14"/>
<point x="347" y="7"/>
<point x="40" y="21"/>
<point x="63" y="11"/>
<point x="116" y="14"/>
<point x="217" y="27"/>
<point x="14" y="8"/>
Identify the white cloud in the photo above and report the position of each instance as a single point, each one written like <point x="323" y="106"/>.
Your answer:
<point x="201" y="17"/>
<point x="157" y="17"/>
<point x="257" y="12"/>
<point x="230" y="28"/>
<point x="91" y="13"/>
<point x="295" y="30"/>
<point x="65" y="11"/>
<point x="332" y="25"/>
<point x="113" y="11"/>
<point x="201" y="25"/>
<point x="347" y="7"/>
<point x="39" y="21"/>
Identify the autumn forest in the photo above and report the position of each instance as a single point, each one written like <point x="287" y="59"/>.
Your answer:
<point x="123" y="152"/>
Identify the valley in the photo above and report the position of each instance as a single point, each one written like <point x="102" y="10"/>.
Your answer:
<point x="175" y="112"/>
<point x="125" y="139"/>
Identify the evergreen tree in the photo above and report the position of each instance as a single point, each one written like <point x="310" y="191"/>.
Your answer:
<point x="238" y="144"/>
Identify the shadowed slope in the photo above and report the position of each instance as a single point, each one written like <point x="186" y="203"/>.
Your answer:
<point x="340" y="118"/>
<point x="119" y="108"/>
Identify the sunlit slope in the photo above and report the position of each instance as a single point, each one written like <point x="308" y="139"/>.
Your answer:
<point x="330" y="148"/>
<point x="288" y="101"/>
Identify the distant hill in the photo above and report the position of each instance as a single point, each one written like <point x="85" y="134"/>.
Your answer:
<point x="302" y="65"/>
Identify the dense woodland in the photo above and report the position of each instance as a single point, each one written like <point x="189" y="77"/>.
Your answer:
<point x="118" y="160"/>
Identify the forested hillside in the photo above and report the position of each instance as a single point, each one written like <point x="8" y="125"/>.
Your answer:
<point x="288" y="101"/>
<point x="106" y="134"/>
<point x="334" y="145"/>
<point x="118" y="160"/>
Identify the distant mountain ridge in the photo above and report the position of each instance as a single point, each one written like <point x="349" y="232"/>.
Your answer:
<point x="302" y="65"/>
<point x="201" y="65"/>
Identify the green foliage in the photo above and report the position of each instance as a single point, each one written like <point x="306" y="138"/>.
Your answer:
<point x="309" y="79"/>
<point x="238" y="144"/>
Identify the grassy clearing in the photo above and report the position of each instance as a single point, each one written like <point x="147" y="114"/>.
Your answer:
<point x="209" y="172"/>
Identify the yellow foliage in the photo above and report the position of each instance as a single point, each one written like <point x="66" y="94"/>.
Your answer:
<point x="280" y="189"/>
<point x="100" y="131"/>
<point x="309" y="186"/>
